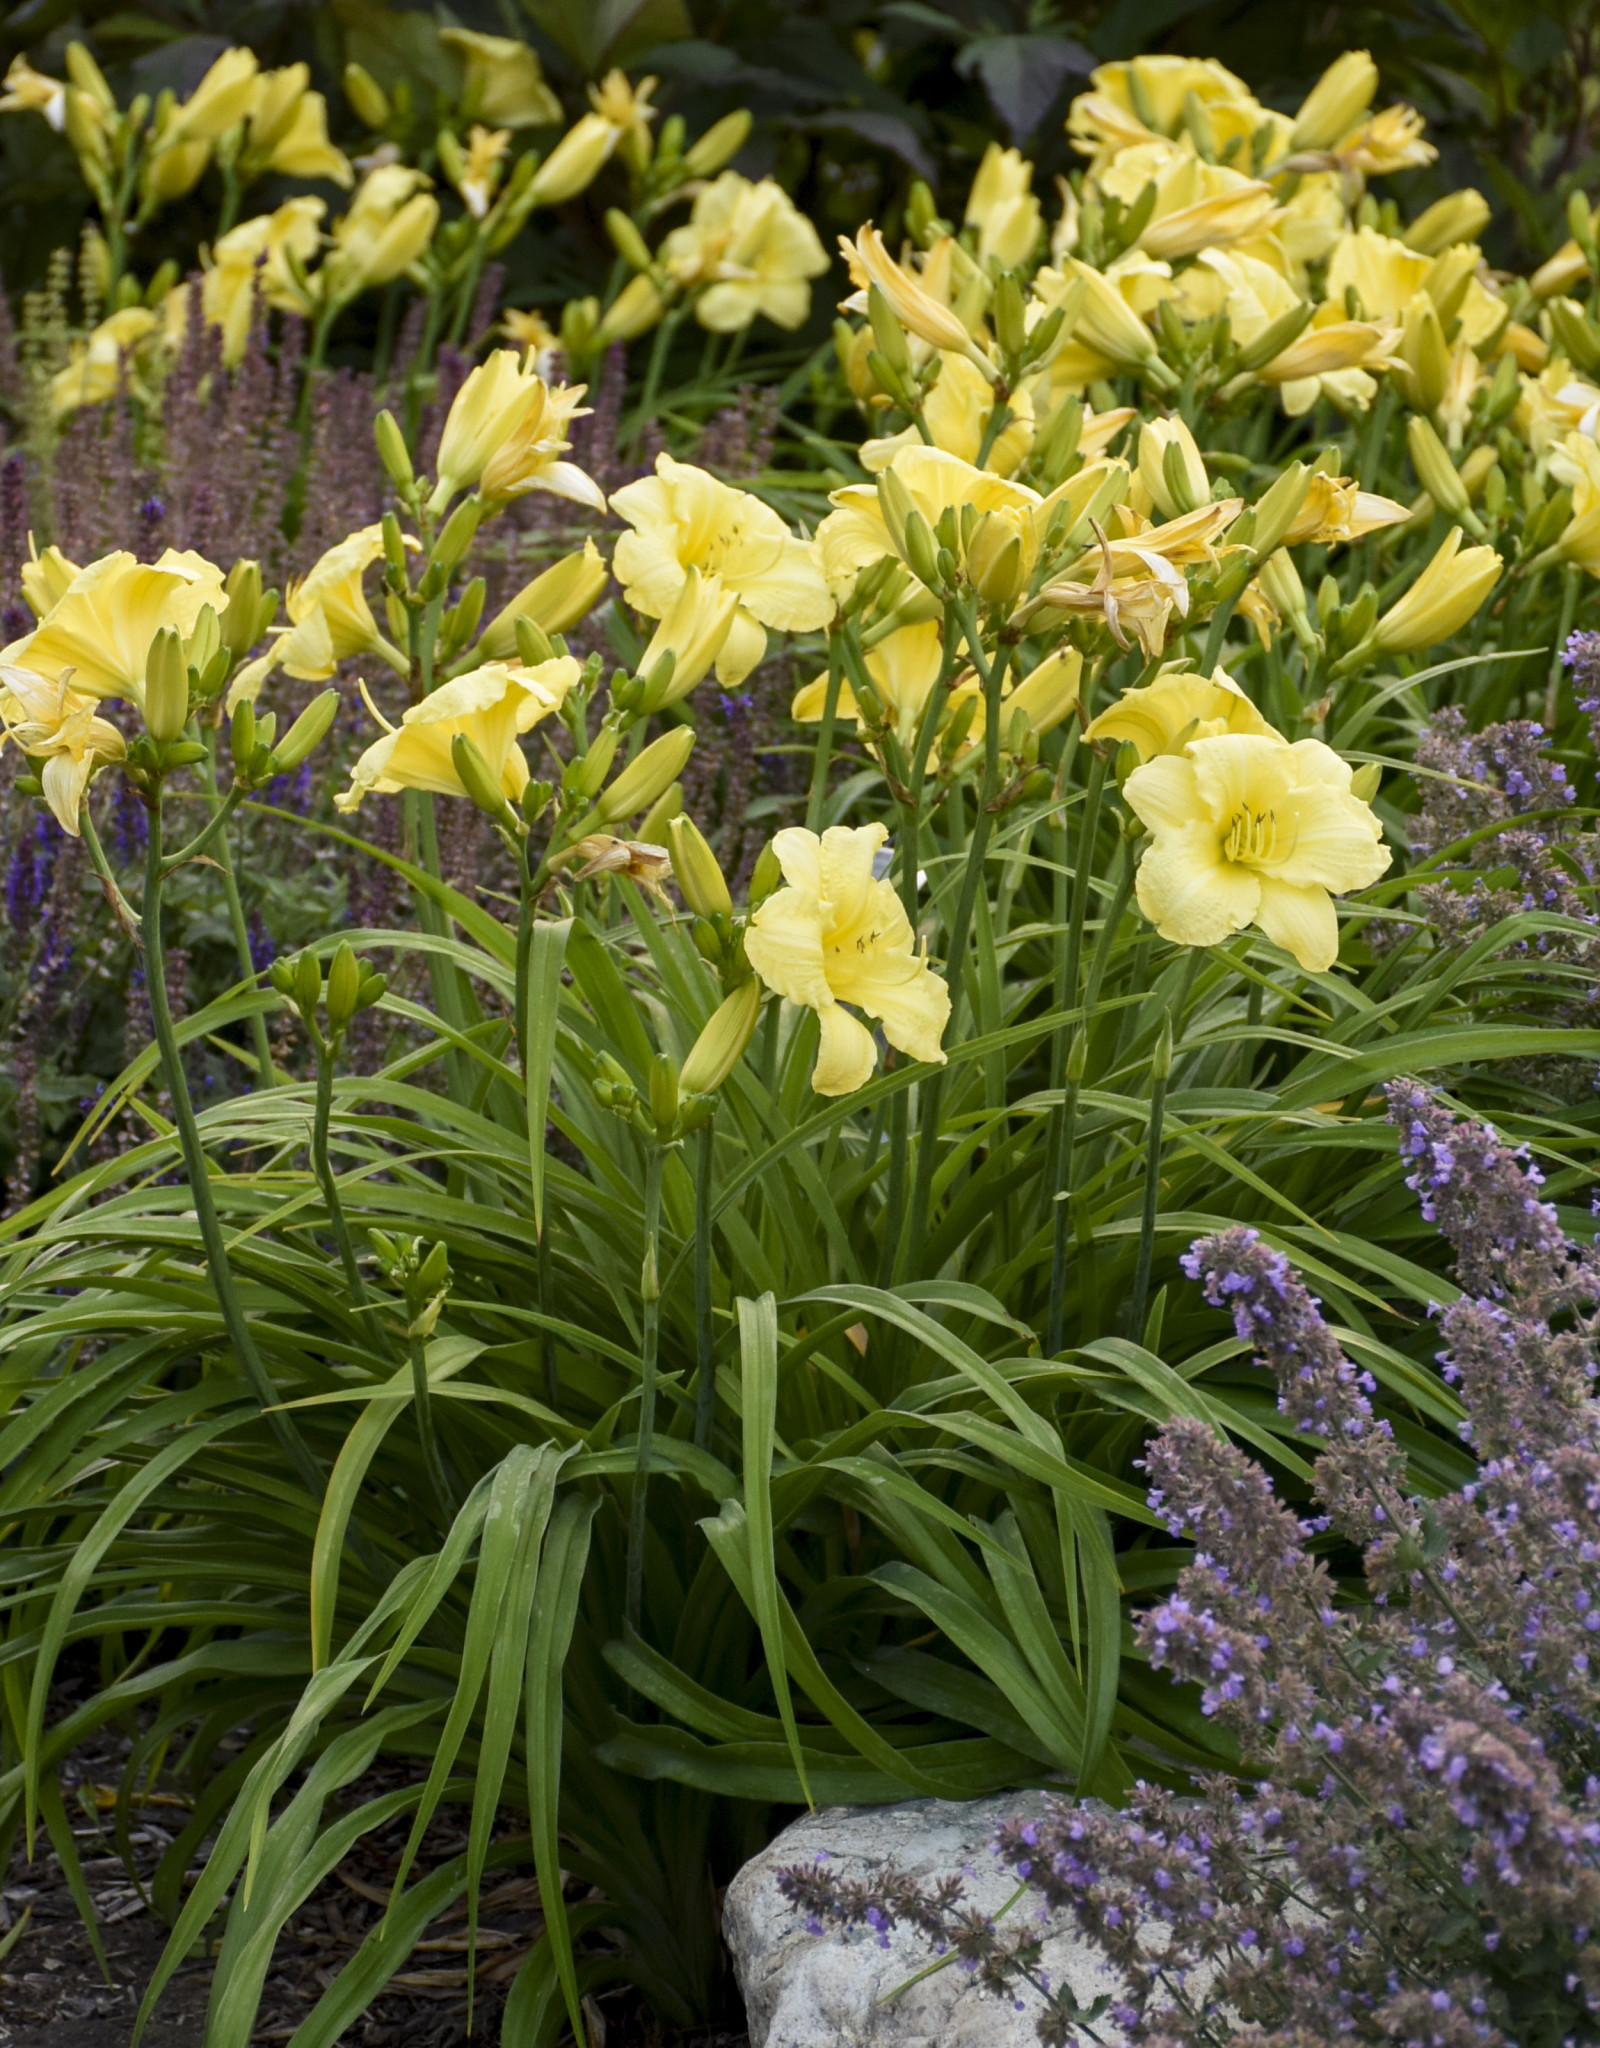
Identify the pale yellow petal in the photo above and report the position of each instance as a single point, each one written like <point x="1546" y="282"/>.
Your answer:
<point x="1189" y="892"/>
<point x="846" y="1055"/>
<point x="1301" y="919"/>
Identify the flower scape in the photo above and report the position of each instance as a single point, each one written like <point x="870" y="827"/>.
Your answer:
<point x="710" y="927"/>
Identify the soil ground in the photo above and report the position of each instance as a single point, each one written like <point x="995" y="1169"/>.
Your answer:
<point x="53" y="1995"/>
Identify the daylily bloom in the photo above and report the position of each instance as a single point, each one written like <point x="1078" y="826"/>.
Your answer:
<point x="1150" y="95"/>
<point x="837" y="934"/>
<point x="263" y="252"/>
<point x="34" y="92"/>
<point x="1197" y="205"/>
<point x="182" y="142"/>
<point x="389" y="224"/>
<point x="694" y="632"/>
<point x="1576" y="463"/>
<point x="1336" y="509"/>
<point x="46" y="578"/>
<point x="57" y="725"/>
<point x="491" y="706"/>
<point x="1003" y="208"/>
<point x="288" y="129"/>
<point x="1386" y="274"/>
<point x="1440" y="602"/>
<point x="917" y="309"/>
<point x="855" y="534"/>
<point x="100" y="365"/>
<point x="506" y="433"/>
<point x="683" y="518"/>
<point x="750" y="250"/>
<point x="102" y="625"/>
<point x="1179" y="706"/>
<point x="504" y="82"/>
<point x="626" y="106"/>
<point x="479" y="170"/>
<point x="1247" y="830"/>
<point x="1390" y="141"/>
<point x="329" y="620"/>
<point x="904" y="667"/>
<point x="956" y="414"/>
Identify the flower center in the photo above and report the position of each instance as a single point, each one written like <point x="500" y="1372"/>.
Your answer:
<point x="1252" y="838"/>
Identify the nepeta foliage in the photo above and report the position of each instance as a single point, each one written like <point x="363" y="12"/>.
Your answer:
<point x="1414" y="1856"/>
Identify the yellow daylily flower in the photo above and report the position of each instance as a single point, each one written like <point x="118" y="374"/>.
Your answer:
<point x="1248" y="830"/>
<point x="683" y="518"/>
<point x="532" y="333"/>
<point x="389" y="224"/>
<point x="626" y="106"/>
<point x="1149" y="95"/>
<point x="694" y="632"/>
<point x="1558" y="273"/>
<point x="855" y="535"/>
<point x="330" y="620"/>
<point x="262" y="252"/>
<point x="46" y="578"/>
<point x="34" y="92"/>
<point x="101" y="365"/>
<point x="58" y="726"/>
<point x="836" y="934"/>
<point x="956" y="414"/>
<point x="749" y="250"/>
<point x="1003" y="208"/>
<point x="504" y="81"/>
<point x="103" y="623"/>
<point x="1440" y="602"/>
<point x="1177" y="707"/>
<point x="490" y="706"/>
<point x="219" y="102"/>
<point x="479" y="171"/>
<point x="287" y="130"/>
<point x="1576" y="463"/>
<point x="1336" y="509"/>
<point x="1388" y="142"/>
<point x="1198" y="205"/>
<point x="506" y="432"/>
<point x="904" y="666"/>
<point x="920" y="311"/>
<point x="1386" y="274"/>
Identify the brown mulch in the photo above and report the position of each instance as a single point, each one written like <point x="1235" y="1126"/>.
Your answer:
<point x="52" y="1993"/>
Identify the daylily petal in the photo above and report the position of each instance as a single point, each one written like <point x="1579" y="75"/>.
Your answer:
<point x="1301" y="919"/>
<point x="846" y="1056"/>
<point x="1189" y="892"/>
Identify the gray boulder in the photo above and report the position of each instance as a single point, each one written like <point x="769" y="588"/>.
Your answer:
<point x="829" y="1991"/>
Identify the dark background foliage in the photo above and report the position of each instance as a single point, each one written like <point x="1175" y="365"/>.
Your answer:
<point x="855" y="100"/>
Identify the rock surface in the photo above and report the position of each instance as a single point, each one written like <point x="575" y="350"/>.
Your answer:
<point x="809" y="1991"/>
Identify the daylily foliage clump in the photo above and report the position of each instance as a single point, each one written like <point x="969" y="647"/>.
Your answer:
<point x="701" y="1360"/>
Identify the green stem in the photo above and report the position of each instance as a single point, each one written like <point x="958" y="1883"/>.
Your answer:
<point x="260" y="1036"/>
<point x="659" y="348"/>
<point x="322" y="1166"/>
<point x="203" y="838"/>
<point x="1569" y="607"/>
<point x="431" y="1463"/>
<point x="199" y="1171"/>
<point x="1161" y="1067"/>
<point x="127" y="916"/>
<point x="705" y="1406"/>
<point x="650" y="1330"/>
<point x="823" y="756"/>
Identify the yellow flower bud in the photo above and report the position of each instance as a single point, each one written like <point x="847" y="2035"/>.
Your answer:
<point x="720" y="144"/>
<point x="1459" y="217"/>
<point x="1441" y="601"/>
<point x="1170" y="468"/>
<point x="555" y="601"/>
<point x="575" y="162"/>
<point x="1437" y="474"/>
<point x="1049" y="693"/>
<point x="700" y="880"/>
<point x="643" y="780"/>
<point x="1337" y="103"/>
<point x="366" y="96"/>
<point x="634" y="311"/>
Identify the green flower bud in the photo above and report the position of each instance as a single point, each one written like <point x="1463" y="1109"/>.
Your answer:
<point x="664" y="1092"/>
<point x="306" y="734"/>
<point x="626" y="239"/>
<point x="392" y="451"/>
<point x="718" y="1049"/>
<point x="166" y="687"/>
<point x="344" y="987"/>
<point x="459" y="528"/>
<point x="242" y="733"/>
<point x="366" y="97"/>
<point x="720" y="144"/>
<point x="584" y="776"/>
<point x="479" y="782"/>
<point x="241" y="620"/>
<point x="307" y="984"/>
